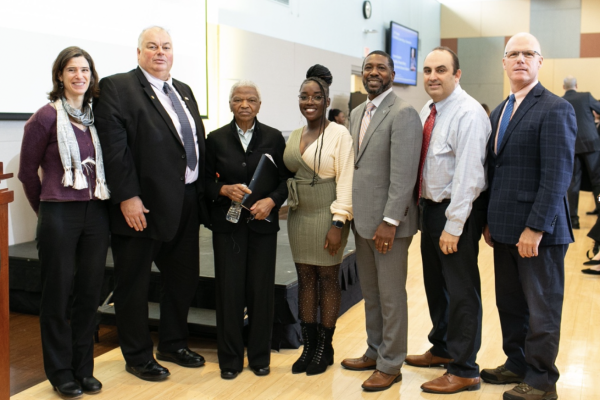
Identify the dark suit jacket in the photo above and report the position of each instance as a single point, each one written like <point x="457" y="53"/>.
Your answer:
<point x="225" y="155"/>
<point x="143" y="154"/>
<point x="529" y="176"/>
<point x="587" y="135"/>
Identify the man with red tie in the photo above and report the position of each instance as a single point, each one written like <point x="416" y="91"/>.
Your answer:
<point x="451" y="186"/>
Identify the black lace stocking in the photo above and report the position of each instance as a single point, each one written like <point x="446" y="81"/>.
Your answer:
<point x="319" y="286"/>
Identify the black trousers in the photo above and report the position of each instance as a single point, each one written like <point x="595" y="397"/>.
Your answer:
<point x="594" y="233"/>
<point x="179" y="265"/>
<point x="245" y="277"/>
<point x="529" y="296"/>
<point x="591" y="162"/>
<point x="72" y="241"/>
<point x="453" y="287"/>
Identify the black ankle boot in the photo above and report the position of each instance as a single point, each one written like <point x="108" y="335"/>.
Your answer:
<point x="309" y="337"/>
<point x="324" y="353"/>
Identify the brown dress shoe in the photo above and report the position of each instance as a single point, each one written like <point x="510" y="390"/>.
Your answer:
<point x="359" y="364"/>
<point x="427" y="360"/>
<point x="380" y="381"/>
<point x="448" y="384"/>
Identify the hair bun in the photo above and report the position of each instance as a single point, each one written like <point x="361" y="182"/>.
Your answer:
<point x="320" y="71"/>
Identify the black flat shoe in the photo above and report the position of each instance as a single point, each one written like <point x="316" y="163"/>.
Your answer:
<point x="150" y="371"/>
<point x="261" y="371"/>
<point x="89" y="385"/>
<point x="592" y="262"/>
<point x="590" y="271"/>
<point x="229" y="374"/>
<point x="184" y="357"/>
<point x="69" y="390"/>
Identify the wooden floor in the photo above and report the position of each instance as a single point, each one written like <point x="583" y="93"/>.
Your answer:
<point x="578" y="360"/>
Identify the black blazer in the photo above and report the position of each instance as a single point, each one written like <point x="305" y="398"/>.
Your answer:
<point x="587" y="136"/>
<point x="226" y="157"/>
<point x="143" y="154"/>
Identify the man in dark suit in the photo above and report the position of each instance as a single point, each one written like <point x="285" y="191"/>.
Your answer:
<point x="530" y="160"/>
<point x="387" y="135"/>
<point x="587" y="145"/>
<point x="152" y="138"/>
<point x="245" y="252"/>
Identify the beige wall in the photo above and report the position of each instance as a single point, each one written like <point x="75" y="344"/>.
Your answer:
<point x="477" y="19"/>
<point x="462" y="19"/>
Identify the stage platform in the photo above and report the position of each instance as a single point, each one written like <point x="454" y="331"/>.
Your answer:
<point x="25" y="288"/>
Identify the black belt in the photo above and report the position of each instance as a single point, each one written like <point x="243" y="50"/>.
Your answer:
<point x="434" y="203"/>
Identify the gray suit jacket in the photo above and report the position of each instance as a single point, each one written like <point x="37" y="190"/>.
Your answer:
<point x="386" y="167"/>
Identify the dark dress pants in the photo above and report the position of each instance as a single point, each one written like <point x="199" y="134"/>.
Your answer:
<point x="529" y="296"/>
<point x="453" y="287"/>
<point x="72" y="241"/>
<point x="594" y="233"/>
<point x="245" y="277"/>
<point x="179" y="263"/>
<point x="591" y="162"/>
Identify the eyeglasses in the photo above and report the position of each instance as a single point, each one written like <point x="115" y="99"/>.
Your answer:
<point x="528" y="54"/>
<point x="304" y="98"/>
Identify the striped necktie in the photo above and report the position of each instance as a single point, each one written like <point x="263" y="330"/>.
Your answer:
<point x="505" y="120"/>
<point x="365" y="122"/>
<point x="186" y="128"/>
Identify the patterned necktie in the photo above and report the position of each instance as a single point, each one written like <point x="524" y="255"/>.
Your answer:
<point x="186" y="128"/>
<point x="365" y="122"/>
<point x="427" y="129"/>
<point x="505" y="120"/>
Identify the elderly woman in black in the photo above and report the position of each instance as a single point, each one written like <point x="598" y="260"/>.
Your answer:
<point x="72" y="231"/>
<point x="244" y="251"/>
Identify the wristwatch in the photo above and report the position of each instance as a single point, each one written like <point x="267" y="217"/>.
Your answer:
<point x="390" y="224"/>
<point x="337" y="224"/>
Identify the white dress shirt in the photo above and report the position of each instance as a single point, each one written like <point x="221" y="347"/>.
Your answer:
<point x="455" y="163"/>
<point x="165" y="100"/>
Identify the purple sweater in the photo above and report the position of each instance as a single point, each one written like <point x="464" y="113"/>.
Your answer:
<point x="40" y="149"/>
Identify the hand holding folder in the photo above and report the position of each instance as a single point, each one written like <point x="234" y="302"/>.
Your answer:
<point x="264" y="181"/>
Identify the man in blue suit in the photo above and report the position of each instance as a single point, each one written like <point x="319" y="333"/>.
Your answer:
<point x="530" y="163"/>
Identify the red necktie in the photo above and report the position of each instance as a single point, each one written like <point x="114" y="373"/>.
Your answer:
<point x="427" y="129"/>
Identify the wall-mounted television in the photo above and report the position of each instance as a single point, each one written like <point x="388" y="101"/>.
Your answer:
<point x="403" y="45"/>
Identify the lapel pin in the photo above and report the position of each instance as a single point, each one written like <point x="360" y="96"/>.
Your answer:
<point x="186" y="98"/>
<point x="152" y="97"/>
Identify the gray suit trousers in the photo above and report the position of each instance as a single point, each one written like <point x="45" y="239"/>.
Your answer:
<point x="383" y="284"/>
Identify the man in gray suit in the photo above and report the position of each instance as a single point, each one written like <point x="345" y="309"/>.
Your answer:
<point x="587" y="145"/>
<point x="387" y="143"/>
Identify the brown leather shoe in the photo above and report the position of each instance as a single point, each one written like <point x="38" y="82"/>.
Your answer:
<point x="448" y="384"/>
<point x="380" y="381"/>
<point x="427" y="360"/>
<point x="359" y="364"/>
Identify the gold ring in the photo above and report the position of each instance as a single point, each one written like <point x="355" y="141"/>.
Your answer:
<point x="386" y="244"/>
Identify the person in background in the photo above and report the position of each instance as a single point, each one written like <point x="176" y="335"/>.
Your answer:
<point x="72" y="232"/>
<point x="486" y="108"/>
<point x="337" y="116"/>
<point x="245" y="251"/>
<point x="153" y="140"/>
<point x="387" y="134"/>
<point x="530" y="158"/>
<point x="453" y="201"/>
<point x="587" y="146"/>
<point x="320" y="207"/>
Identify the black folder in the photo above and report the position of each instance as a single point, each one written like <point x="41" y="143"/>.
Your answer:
<point x="264" y="181"/>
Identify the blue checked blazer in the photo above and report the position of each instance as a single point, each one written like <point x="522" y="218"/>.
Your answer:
<point x="530" y="175"/>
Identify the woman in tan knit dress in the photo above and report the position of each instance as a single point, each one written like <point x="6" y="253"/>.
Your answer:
<point x="320" y="155"/>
